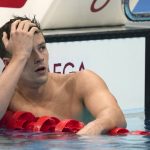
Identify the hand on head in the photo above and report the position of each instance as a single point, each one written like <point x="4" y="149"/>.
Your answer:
<point x="20" y="42"/>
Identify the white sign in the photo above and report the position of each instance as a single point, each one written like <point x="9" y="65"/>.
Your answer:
<point x="65" y="13"/>
<point x="120" y="62"/>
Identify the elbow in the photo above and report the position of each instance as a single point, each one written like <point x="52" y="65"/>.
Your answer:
<point x="118" y="118"/>
<point x="121" y="121"/>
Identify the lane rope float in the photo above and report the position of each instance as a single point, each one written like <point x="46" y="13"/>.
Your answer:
<point x="28" y="122"/>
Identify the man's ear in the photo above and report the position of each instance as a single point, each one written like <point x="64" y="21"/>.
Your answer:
<point x="6" y="61"/>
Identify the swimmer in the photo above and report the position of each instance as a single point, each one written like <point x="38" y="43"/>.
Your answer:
<point x="27" y="85"/>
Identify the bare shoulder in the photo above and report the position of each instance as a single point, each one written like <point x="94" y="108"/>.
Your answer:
<point x="88" y="76"/>
<point x="81" y="81"/>
<point x="64" y="80"/>
<point x="88" y="80"/>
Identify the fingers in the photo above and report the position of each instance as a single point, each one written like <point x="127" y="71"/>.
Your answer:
<point x="28" y="26"/>
<point x="5" y="39"/>
<point x="21" y="25"/>
<point x="25" y="25"/>
<point x="14" y="25"/>
<point x="33" y="30"/>
<point x="20" y="31"/>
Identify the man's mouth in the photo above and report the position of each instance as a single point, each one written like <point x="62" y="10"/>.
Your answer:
<point x="40" y="69"/>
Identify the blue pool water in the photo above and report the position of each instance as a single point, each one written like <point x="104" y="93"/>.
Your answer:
<point x="18" y="140"/>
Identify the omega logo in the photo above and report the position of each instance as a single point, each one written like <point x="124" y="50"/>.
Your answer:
<point x="101" y="7"/>
<point x="67" y="66"/>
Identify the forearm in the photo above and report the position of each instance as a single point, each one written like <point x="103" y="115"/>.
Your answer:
<point x="8" y="81"/>
<point x="103" y="123"/>
<point x="20" y="44"/>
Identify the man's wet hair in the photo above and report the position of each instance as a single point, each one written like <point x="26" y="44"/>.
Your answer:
<point x="7" y="27"/>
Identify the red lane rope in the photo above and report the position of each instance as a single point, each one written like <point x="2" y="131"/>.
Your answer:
<point x="69" y="125"/>
<point x="118" y="131"/>
<point x="28" y="122"/>
<point x="123" y="131"/>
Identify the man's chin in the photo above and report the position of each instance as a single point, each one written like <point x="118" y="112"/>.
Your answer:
<point x="42" y="80"/>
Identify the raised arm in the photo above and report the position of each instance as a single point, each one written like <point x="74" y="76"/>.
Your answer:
<point x="20" y="46"/>
<point x="101" y="103"/>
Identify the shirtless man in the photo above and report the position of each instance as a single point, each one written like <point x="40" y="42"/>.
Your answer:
<point x="27" y="85"/>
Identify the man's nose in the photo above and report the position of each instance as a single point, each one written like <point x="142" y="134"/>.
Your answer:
<point x="38" y="57"/>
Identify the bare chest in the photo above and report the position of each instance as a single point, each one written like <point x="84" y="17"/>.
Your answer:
<point x="62" y="105"/>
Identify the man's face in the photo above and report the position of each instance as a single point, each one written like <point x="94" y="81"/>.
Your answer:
<point x="36" y="69"/>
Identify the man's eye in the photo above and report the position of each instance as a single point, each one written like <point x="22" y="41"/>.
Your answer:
<point x="42" y="48"/>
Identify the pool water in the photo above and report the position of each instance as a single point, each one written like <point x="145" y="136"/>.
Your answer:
<point x="20" y="140"/>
